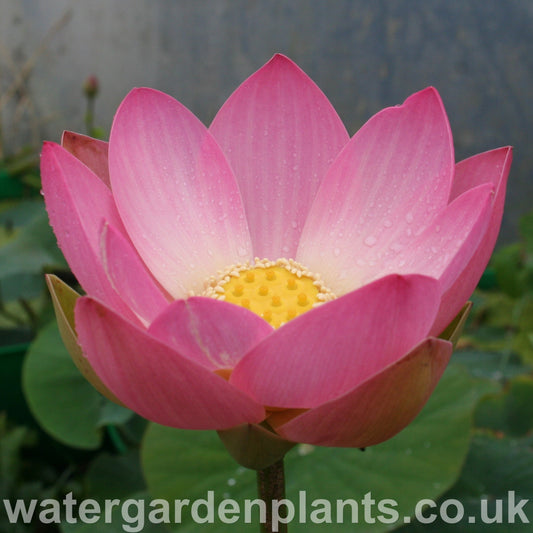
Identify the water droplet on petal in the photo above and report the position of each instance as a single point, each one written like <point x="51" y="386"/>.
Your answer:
<point x="409" y="218"/>
<point x="336" y="252"/>
<point x="387" y="223"/>
<point x="370" y="240"/>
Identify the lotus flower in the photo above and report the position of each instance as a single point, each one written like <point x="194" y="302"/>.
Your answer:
<point x="269" y="269"/>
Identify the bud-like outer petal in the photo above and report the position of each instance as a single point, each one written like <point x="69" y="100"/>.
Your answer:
<point x="64" y="300"/>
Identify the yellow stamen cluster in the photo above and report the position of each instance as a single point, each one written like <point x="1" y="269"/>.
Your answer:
<point x="277" y="291"/>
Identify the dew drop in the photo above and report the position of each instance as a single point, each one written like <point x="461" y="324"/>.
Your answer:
<point x="409" y="218"/>
<point x="387" y="223"/>
<point x="336" y="252"/>
<point x="231" y="482"/>
<point x="241" y="251"/>
<point x="370" y="240"/>
<point x="305" y="449"/>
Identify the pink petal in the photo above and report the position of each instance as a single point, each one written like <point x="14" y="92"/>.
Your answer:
<point x="92" y="152"/>
<point x="215" y="334"/>
<point x="129" y="277"/>
<point x="378" y="408"/>
<point x="77" y="202"/>
<point x="492" y="167"/>
<point x="445" y="247"/>
<point x="385" y="187"/>
<point x="329" y="350"/>
<point x="175" y="192"/>
<point x="488" y="167"/>
<point x="280" y="134"/>
<point x="153" y="379"/>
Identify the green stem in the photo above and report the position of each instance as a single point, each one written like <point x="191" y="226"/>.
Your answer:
<point x="89" y="116"/>
<point x="271" y="486"/>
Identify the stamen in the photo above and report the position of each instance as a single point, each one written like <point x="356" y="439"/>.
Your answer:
<point x="277" y="291"/>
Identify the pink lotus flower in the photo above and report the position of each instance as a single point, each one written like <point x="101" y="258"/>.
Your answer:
<point x="380" y="239"/>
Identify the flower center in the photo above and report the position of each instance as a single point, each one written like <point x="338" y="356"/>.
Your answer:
<point x="277" y="291"/>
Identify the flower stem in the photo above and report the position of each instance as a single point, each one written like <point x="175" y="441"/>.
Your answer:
<point x="271" y="486"/>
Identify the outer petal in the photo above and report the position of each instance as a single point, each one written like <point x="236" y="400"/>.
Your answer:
<point x="280" y="134"/>
<point x="446" y="246"/>
<point x="329" y="350"/>
<point x="77" y="202"/>
<point x="129" y="276"/>
<point x="92" y="152"/>
<point x="153" y="379"/>
<point x="175" y="192"/>
<point x="384" y="188"/>
<point x="215" y="334"/>
<point x="492" y="167"/>
<point x="64" y="300"/>
<point x="378" y="408"/>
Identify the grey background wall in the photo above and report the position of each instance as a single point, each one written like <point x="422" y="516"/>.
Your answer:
<point x="365" y="55"/>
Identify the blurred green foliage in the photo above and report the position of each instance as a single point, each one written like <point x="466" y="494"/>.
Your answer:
<point x="502" y="318"/>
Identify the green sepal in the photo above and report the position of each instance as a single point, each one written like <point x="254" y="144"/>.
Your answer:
<point x="456" y="326"/>
<point x="64" y="300"/>
<point x="254" y="446"/>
